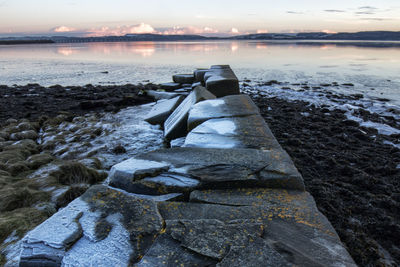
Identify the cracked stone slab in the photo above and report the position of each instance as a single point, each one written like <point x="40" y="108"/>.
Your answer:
<point x="233" y="132"/>
<point x="294" y="231"/>
<point x="231" y="168"/>
<point x="104" y="227"/>
<point x="161" y="111"/>
<point x="229" y="106"/>
<point x="176" y="124"/>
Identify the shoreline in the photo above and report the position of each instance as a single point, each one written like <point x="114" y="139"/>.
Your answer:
<point x="332" y="153"/>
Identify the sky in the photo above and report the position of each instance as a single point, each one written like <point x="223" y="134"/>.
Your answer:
<point x="205" y="17"/>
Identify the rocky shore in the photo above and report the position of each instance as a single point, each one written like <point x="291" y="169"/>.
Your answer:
<point x="347" y="168"/>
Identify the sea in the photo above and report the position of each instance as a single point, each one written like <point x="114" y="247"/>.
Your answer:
<point x="304" y="70"/>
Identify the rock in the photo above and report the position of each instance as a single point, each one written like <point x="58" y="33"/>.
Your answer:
<point x="194" y="85"/>
<point x="122" y="175"/>
<point x="176" y="124"/>
<point x="158" y="95"/>
<point x="229" y="106"/>
<point x="170" y="86"/>
<point x="233" y="132"/>
<point x="199" y="75"/>
<point x="231" y="168"/>
<point x="104" y="227"/>
<point x="183" y="78"/>
<point x="162" y="110"/>
<point x="221" y="81"/>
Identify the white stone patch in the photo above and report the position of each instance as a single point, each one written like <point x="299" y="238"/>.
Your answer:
<point x="210" y="141"/>
<point x="174" y="180"/>
<point x="335" y="249"/>
<point x="12" y="237"/>
<point x="220" y="126"/>
<point x="114" y="250"/>
<point x="215" y="102"/>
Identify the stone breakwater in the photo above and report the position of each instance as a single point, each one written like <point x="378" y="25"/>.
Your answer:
<point x="224" y="194"/>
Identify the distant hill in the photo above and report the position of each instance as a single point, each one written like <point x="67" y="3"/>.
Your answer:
<point x="358" y="36"/>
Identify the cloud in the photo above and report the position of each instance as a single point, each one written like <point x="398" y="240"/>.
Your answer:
<point x="63" y="29"/>
<point x="334" y="11"/>
<point x="367" y="10"/>
<point x="294" y="12"/>
<point x="368" y="7"/>
<point x="121" y="30"/>
<point x="376" y="19"/>
<point x="365" y="13"/>
<point x="262" y="31"/>
<point x="234" y="31"/>
<point x="328" y="31"/>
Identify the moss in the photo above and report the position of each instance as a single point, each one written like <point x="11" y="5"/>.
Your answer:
<point x="76" y="173"/>
<point x="20" y="220"/>
<point x="17" y="168"/>
<point x="15" y="197"/>
<point x="12" y="156"/>
<point x="37" y="160"/>
<point x="72" y="193"/>
<point x="30" y="134"/>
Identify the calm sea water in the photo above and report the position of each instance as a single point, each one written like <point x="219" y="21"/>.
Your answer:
<point x="374" y="71"/>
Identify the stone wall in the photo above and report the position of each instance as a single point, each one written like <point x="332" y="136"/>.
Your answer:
<point x="224" y="194"/>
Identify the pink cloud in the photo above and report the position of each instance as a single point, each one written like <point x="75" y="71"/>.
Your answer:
<point x="121" y="30"/>
<point x="234" y="31"/>
<point x="64" y="29"/>
<point x="262" y="31"/>
<point x="328" y="31"/>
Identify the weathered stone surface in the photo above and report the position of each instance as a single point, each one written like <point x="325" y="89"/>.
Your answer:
<point x="221" y="81"/>
<point x="161" y="111"/>
<point x="234" y="132"/>
<point x="123" y="174"/>
<point x="178" y="142"/>
<point x="166" y="251"/>
<point x="183" y="78"/>
<point x="176" y="124"/>
<point x="294" y="231"/>
<point x="231" y="168"/>
<point x="104" y="227"/>
<point x="229" y="106"/>
<point x="170" y="86"/>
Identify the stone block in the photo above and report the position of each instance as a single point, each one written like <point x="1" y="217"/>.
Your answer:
<point x="229" y="106"/>
<point x="159" y="95"/>
<point x="233" y="132"/>
<point x="199" y="75"/>
<point x="183" y="78"/>
<point x="221" y="81"/>
<point x="170" y="86"/>
<point x="161" y="111"/>
<point x="123" y="174"/>
<point x="176" y="124"/>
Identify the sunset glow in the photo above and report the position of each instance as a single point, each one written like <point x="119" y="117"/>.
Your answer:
<point x="209" y="18"/>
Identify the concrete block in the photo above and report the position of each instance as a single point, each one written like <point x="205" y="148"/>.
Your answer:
<point x="161" y="111"/>
<point x="233" y="132"/>
<point x="170" y="86"/>
<point x="183" y="78"/>
<point x="229" y="106"/>
<point x="176" y="124"/>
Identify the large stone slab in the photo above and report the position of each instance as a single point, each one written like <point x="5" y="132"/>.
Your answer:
<point x="233" y="132"/>
<point x="170" y="86"/>
<point x="294" y="232"/>
<point x="176" y="124"/>
<point x="183" y="78"/>
<point x="229" y="106"/>
<point x="104" y="227"/>
<point x="161" y="111"/>
<point x="160" y="95"/>
<point x="199" y="75"/>
<point x="226" y="168"/>
<point x="221" y="81"/>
